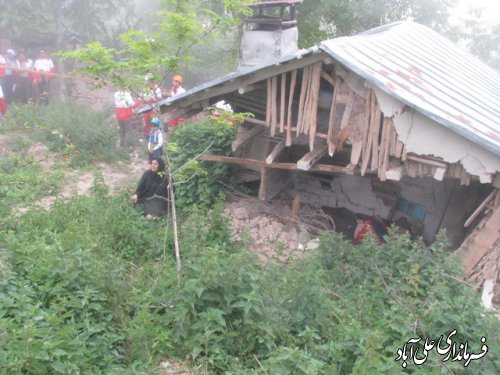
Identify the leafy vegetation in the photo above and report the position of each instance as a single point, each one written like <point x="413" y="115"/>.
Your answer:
<point x="67" y="128"/>
<point x="198" y="182"/>
<point x="91" y="287"/>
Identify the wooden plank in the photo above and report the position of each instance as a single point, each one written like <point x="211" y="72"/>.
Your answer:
<point x="328" y="78"/>
<point x="387" y="145"/>
<point x="434" y="163"/>
<point x="375" y="138"/>
<point x="367" y="141"/>
<point x="382" y="149"/>
<point x="274" y="98"/>
<point x="289" y="115"/>
<point x="255" y="121"/>
<point x="268" y="103"/>
<point x="481" y="207"/>
<point x="282" y="102"/>
<point x="309" y="159"/>
<point x="244" y="135"/>
<point x="329" y="168"/>
<point x="275" y="152"/>
<point x="303" y="91"/>
<point x="263" y="175"/>
<point x="317" y="69"/>
<point x="356" y="152"/>
<point x="331" y="123"/>
<point x="399" y="149"/>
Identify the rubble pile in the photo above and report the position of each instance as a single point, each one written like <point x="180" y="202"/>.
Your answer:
<point x="270" y="228"/>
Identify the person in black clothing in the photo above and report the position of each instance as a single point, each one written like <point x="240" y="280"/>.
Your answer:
<point x="151" y="194"/>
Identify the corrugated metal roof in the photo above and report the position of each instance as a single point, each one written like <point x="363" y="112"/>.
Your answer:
<point x="430" y="74"/>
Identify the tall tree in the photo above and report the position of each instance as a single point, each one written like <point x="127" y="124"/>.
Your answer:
<point x="324" y="19"/>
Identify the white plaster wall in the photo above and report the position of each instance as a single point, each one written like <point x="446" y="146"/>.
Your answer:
<point x="354" y="193"/>
<point x="423" y="136"/>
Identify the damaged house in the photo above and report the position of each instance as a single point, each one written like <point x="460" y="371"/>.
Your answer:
<point x="394" y="122"/>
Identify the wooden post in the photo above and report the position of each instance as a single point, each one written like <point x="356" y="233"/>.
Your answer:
<point x="366" y="149"/>
<point x="331" y="123"/>
<point x="274" y="98"/>
<point x="268" y="103"/>
<point x="289" y="115"/>
<point x="282" y="102"/>
<point x="303" y="91"/>
<point x="313" y="104"/>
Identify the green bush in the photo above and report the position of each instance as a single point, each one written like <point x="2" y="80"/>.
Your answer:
<point x="65" y="282"/>
<point x="69" y="128"/>
<point x="86" y="287"/>
<point x="195" y="181"/>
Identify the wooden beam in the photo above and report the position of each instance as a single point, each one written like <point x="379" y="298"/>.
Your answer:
<point x="309" y="159"/>
<point x="328" y="168"/>
<point x="275" y="152"/>
<point x="282" y="102"/>
<point x="328" y="78"/>
<point x="313" y="105"/>
<point x="264" y="174"/>
<point x="434" y="163"/>
<point x="331" y="123"/>
<point x="244" y="136"/>
<point x="289" y="114"/>
<point x="481" y="207"/>
<point x="255" y="121"/>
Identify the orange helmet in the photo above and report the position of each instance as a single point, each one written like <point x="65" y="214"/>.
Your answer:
<point x="177" y="78"/>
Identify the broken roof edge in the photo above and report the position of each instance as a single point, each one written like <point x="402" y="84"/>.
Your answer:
<point x="489" y="143"/>
<point x="440" y="120"/>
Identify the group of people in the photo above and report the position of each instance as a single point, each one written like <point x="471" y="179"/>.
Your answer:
<point x="151" y="194"/>
<point x="23" y="78"/>
<point x="125" y="105"/>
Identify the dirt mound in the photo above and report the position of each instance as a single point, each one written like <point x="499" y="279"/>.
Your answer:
<point x="273" y="231"/>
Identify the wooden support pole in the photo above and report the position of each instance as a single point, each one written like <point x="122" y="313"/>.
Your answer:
<point x="263" y="176"/>
<point x="327" y="168"/>
<point x="274" y="98"/>
<point x="302" y="99"/>
<point x="313" y="104"/>
<point x="282" y="102"/>
<point x="268" y="103"/>
<point x="289" y="115"/>
<point x="367" y="143"/>
<point x="375" y="137"/>
<point x="331" y="123"/>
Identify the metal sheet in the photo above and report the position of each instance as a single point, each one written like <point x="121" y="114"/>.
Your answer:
<point x="429" y="73"/>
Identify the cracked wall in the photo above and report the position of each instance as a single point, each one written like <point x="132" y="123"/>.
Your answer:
<point x="423" y="136"/>
<point x="444" y="201"/>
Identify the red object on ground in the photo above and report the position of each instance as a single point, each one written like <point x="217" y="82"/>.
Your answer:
<point x="176" y="121"/>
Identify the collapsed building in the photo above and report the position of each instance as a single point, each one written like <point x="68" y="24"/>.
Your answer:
<point x="393" y="122"/>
